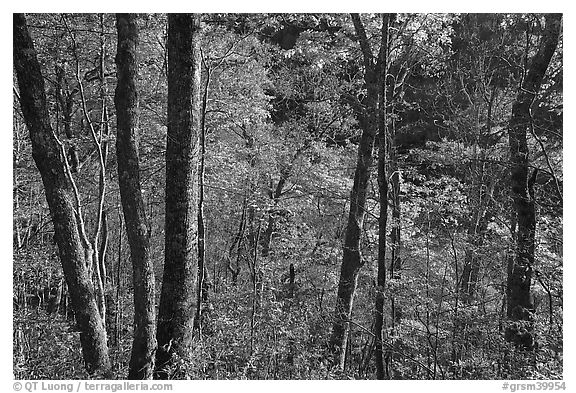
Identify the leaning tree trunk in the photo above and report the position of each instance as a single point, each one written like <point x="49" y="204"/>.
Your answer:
<point x="126" y="100"/>
<point x="352" y="260"/>
<point x="520" y="306"/>
<point x="178" y="300"/>
<point x="49" y="156"/>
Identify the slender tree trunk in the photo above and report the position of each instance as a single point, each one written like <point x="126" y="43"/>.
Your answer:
<point x="49" y="156"/>
<point x="104" y="135"/>
<point x="471" y="270"/>
<point x="126" y="100"/>
<point x="395" y="232"/>
<point x="178" y="300"/>
<point x="480" y="197"/>
<point x="383" y="193"/>
<point x="237" y="244"/>
<point x="275" y="196"/>
<point x="202" y="285"/>
<point x="352" y="260"/>
<point x="291" y="281"/>
<point x="267" y="235"/>
<point x="395" y="239"/>
<point x="520" y="306"/>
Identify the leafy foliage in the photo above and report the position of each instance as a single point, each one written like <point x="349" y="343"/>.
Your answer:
<point x="281" y="147"/>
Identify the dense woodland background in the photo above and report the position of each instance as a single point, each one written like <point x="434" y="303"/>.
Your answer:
<point x="408" y="166"/>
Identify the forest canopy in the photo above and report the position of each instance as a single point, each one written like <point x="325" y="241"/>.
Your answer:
<point x="288" y="196"/>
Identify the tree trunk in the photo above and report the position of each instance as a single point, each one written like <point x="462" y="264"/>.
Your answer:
<point x="395" y="232"/>
<point x="126" y="100"/>
<point x="275" y="196"/>
<point x="520" y="307"/>
<point x="471" y="270"/>
<point x="480" y="198"/>
<point x="202" y="285"/>
<point x="383" y="193"/>
<point x="352" y="260"/>
<point x="292" y="281"/>
<point x="49" y="156"/>
<point x="178" y="301"/>
<point x="395" y="240"/>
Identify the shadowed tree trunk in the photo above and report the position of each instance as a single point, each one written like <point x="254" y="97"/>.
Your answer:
<point x="50" y="157"/>
<point x="275" y="197"/>
<point x="381" y="69"/>
<point x="520" y="306"/>
<point x="126" y="100"/>
<point x="367" y="114"/>
<point x="178" y="300"/>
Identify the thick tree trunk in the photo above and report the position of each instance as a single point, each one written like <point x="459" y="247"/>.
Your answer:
<point x="126" y="100"/>
<point x="520" y="307"/>
<point x="49" y="157"/>
<point x="178" y="300"/>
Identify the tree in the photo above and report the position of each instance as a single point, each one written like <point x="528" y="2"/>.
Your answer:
<point x="383" y="193"/>
<point x="49" y="153"/>
<point x="178" y="300"/>
<point x="520" y="306"/>
<point x="368" y="116"/>
<point x="284" y="101"/>
<point x="126" y="100"/>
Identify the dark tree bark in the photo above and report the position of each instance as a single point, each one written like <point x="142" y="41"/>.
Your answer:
<point x="382" y="66"/>
<point x="520" y="306"/>
<point x="178" y="300"/>
<point x="275" y="196"/>
<point x="367" y="113"/>
<point x="65" y="100"/>
<point x="237" y="244"/>
<point x="49" y="155"/>
<point x="126" y="100"/>
<point x="291" y="281"/>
